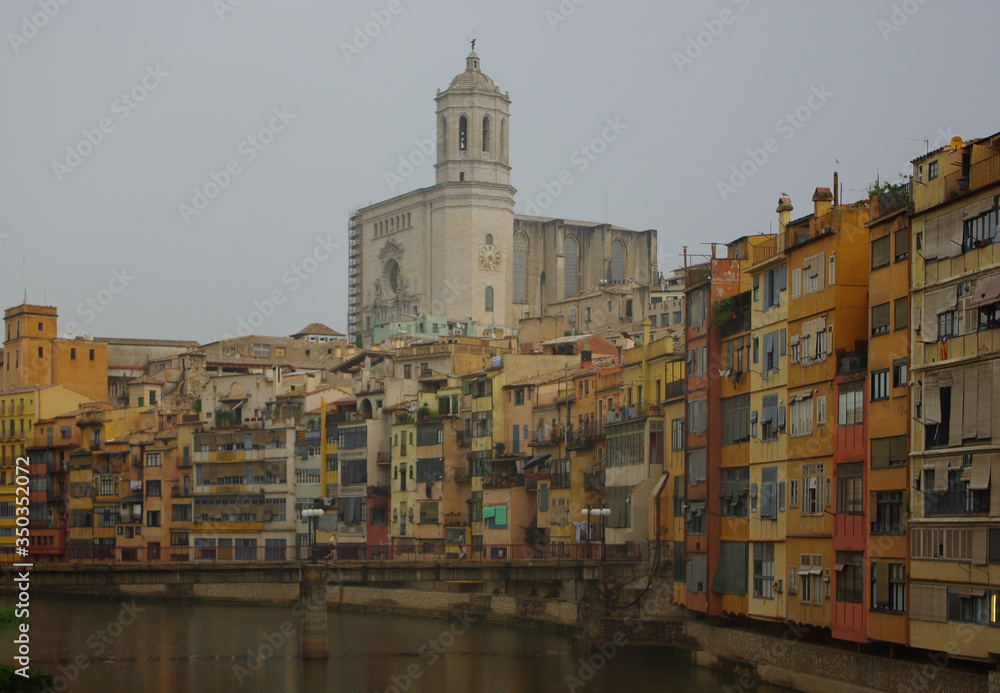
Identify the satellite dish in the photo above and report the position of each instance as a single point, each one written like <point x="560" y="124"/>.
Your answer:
<point x="956" y="143"/>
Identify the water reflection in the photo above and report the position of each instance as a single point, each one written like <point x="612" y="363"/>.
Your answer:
<point x="102" y="646"/>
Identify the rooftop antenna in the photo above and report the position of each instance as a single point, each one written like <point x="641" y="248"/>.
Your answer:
<point x="927" y="143"/>
<point x="24" y="278"/>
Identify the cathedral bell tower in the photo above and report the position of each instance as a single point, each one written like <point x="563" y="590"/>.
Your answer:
<point x="473" y="120"/>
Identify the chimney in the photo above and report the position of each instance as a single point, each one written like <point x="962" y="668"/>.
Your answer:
<point x="784" y="211"/>
<point x="822" y="200"/>
<point x="836" y="189"/>
<point x="586" y="360"/>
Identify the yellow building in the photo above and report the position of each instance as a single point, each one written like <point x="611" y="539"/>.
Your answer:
<point x="955" y="441"/>
<point x="20" y="408"/>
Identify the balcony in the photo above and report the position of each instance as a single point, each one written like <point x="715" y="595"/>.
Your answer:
<point x="593" y="480"/>
<point x="582" y="437"/>
<point x="853" y="362"/>
<point x="493" y="481"/>
<point x="546" y="435"/>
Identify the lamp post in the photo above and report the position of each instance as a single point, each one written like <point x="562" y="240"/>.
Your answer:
<point x="603" y="514"/>
<point x="309" y="514"/>
<point x="586" y="515"/>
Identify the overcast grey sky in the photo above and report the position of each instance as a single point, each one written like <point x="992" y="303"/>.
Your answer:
<point x="119" y="116"/>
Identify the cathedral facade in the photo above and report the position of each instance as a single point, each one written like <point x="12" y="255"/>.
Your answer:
<point x="456" y="248"/>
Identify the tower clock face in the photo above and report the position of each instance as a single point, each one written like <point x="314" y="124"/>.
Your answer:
<point x="489" y="257"/>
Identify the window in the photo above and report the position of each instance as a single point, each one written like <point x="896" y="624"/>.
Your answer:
<point x="488" y="300"/>
<point x="353" y="471"/>
<point x="72" y="353"/>
<point x="519" y="396"/>
<point x="980" y="231"/>
<point x="880" y="319"/>
<point x="429" y="513"/>
<point x="677" y="434"/>
<point x="880" y="384"/>
<point x="850" y="403"/>
<point x="772" y="418"/>
<point x="736" y="419"/>
<point x="180" y="513"/>
<point x="902" y="244"/>
<point x="849" y="582"/>
<point x="849" y="488"/>
<point x="796" y="283"/>
<point x="152" y="518"/>
<point x="430" y="469"/>
<point x="888" y="513"/>
<point x="772" y="350"/>
<point x="888" y="587"/>
<point x="695" y="473"/>
<point x="617" y="261"/>
<point x="899" y="373"/>
<point x="735" y="492"/>
<point x="812" y="488"/>
<point x="407" y="371"/>
<point x="948" y="324"/>
<point x="696" y="519"/>
<point x="349" y="438"/>
<point x="91" y="354"/>
<point x="968" y="605"/>
<point x="697" y="307"/>
<point x="769" y="493"/>
<point x="697" y="568"/>
<point x="813" y="269"/>
<point x="678" y="495"/>
<point x="901" y="312"/>
<point x="811" y="574"/>
<point x="482" y="424"/>
<point x="570" y="264"/>
<point x="821" y="410"/>
<point x="696" y="410"/>
<point x="774" y="284"/>
<point x="763" y="570"/>
<point x="880" y="252"/>
<point x="801" y="414"/>
<point x="152" y="489"/>
<point x="832" y="274"/>
<point x="937" y="416"/>
<point x="793" y="493"/>
<point x="463" y="133"/>
<point x="888" y="452"/>
<point x="932" y="170"/>
<point x="152" y="459"/>
<point x="520" y="288"/>
<point x="954" y="496"/>
<point x="107" y="486"/>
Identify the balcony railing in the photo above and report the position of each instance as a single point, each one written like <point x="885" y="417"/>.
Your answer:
<point x="593" y="480"/>
<point x="852" y="363"/>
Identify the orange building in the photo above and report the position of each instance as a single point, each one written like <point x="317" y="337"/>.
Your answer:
<point x="888" y="416"/>
<point x="828" y="305"/>
<point x="34" y="355"/>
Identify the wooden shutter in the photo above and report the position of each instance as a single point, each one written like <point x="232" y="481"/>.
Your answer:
<point x="882" y="582"/>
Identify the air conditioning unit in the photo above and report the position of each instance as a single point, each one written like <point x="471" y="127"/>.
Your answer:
<point x="826" y="574"/>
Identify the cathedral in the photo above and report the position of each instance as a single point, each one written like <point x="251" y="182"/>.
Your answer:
<point x="457" y="250"/>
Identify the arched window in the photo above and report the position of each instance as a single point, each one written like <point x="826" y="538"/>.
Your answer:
<point x="489" y="299"/>
<point x="486" y="133"/>
<point x="571" y="259"/>
<point x="617" y="261"/>
<point x="489" y="239"/>
<point x="520" y="268"/>
<point x="443" y="139"/>
<point x="503" y="140"/>
<point x="463" y="133"/>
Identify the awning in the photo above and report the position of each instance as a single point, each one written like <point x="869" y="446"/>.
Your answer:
<point x="659" y="485"/>
<point x="987" y="290"/>
<point x="971" y="592"/>
<point x="536" y="460"/>
<point x="980" y="480"/>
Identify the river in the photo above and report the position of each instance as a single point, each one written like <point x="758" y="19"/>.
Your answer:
<point x="114" y="646"/>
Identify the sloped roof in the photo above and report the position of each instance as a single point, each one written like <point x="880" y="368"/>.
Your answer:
<point x="316" y="328"/>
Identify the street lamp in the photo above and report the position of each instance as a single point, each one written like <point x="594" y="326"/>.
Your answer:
<point x="309" y="514"/>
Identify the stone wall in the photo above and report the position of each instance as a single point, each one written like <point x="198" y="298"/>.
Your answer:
<point x="779" y="658"/>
